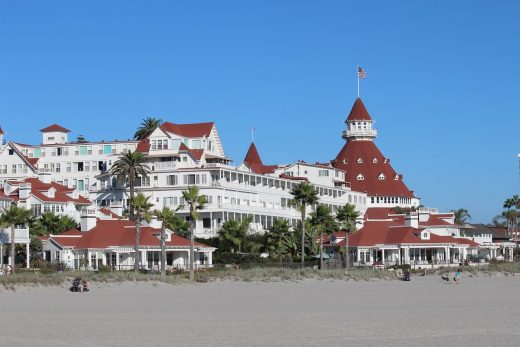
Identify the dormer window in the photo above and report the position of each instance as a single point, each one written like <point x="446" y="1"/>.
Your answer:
<point x="375" y="161"/>
<point x="360" y="177"/>
<point x="360" y="161"/>
<point x="345" y="161"/>
<point x="386" y="160"/>
<point x="381" y="177"/>
<point x="396" y="177"/>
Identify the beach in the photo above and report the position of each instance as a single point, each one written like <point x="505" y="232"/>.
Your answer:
<point x="480" y="311"/>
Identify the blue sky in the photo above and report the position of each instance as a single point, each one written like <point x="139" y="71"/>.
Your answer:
<point x="442" y="80"/>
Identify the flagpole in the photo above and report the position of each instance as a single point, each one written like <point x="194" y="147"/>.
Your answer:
<point x="357" y="74"/>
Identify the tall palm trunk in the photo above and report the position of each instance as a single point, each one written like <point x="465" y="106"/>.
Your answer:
<point x="192" y="253"/>
<point x="163" y="250"/>
<point x="12" y="260"/>
<point x="321" y="249"/>
<point x="347" y="258"/>
<point x="137" y="260"/>
<point x="132" y="192"/>
<point x="303" y="238"/>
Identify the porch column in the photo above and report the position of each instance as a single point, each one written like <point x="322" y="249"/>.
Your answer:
<point x="117" y="261"/>
<point x="358" y="256"/>
<point x="144" y="258"/>
<point x="27" y="255"/>
<point x="211" y="222"/>
<point x="383" y="256"/>
<point x="187" y="265"/>
<point x="89" y="260"/>
<point x="210" y="258"/>
<point x="2" y="254"/>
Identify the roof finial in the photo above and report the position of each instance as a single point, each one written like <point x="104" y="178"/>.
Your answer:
<point x="253" y="129"/>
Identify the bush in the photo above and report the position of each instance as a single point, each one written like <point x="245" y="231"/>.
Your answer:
<point x="239" y="258"/>
<point x="104" y="268"/>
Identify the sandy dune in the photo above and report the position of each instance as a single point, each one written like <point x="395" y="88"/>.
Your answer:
<point x="480" y="311"/>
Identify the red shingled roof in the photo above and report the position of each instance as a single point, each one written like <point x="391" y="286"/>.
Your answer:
<point x="121" y="233"/>
<point x="358" y="111"/>
<point x="195" y="153"/>
<point x="367" y="151"/>
<point x="143" y="146"/>
<point x="254" y="162"/>
<point x="61" y="193"/>
<point x="188" y="130"/>
<point x="55" y="128"/>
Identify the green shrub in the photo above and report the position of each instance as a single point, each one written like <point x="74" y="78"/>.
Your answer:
<point x="104" y="268"/>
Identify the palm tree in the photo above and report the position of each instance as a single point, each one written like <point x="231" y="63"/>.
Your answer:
<point x="179" y="226"/>
<point x="462" y="216"/>
<point x="304" y="194"/>
<point x="323" y="221"/>
<point x="195" y="202"/>
<point x="512" y="213"/>
<point x="141" y="206"/>
<point x="233" y="233"/>
<point x="277" y="238"/>
<point x="147" y="127"/>
<point x="49" y="222"/>
<point x="165" y="215"/>
<point x="127" y="169"/>
<point x="12" y="217"/>
<point x="347" y="216"/>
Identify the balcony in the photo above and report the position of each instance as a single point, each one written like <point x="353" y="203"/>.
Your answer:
<point x="20" y="235"/>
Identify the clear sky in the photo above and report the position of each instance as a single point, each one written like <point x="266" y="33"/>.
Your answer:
<point x="442" y="82"/>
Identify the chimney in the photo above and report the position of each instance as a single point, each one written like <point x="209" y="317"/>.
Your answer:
<point x="88" y="219"/>
<point x="24" y="191"/>
<point x="45" y="177"/>
<point x="412" y="220"/>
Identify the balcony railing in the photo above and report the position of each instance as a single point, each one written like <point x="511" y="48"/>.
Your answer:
<point x="20" y="235"/>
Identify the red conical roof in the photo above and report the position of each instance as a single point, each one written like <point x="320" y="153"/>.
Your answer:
<point x="358" y="112"/>
<point x="379" y="178"/>
<point x="252" y="156"/>
<point x="1" y="131"/>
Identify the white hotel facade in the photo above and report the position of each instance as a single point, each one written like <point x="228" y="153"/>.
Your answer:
<point x="179" y="156"/>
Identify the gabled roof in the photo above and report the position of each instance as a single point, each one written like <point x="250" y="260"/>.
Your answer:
<point x="61" y="194"/>
<point x="143" y="146"/>
<point x="55" y="128"/>
<point x="195" y="153"/>
<point x="254" y="162"/>
<point x="347" y="160"/>
<point x="358" y="112"/>
<point x="121" y="233"/>
<point x="31" y="162"/>
<point x="108" y="213"/>
<point x="188" y="130"/>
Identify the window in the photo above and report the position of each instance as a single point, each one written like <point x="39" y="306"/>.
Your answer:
<point x="176" y="144"/>
<point x="171" y="180"/>
<point x="381" y="177"/>
<point x="37" y="152"/>
<point x="323" y="173"/>
<point x="107" y="149"/>
<point x="83" y="150"/>
<point x="196" y="144"/>
<point x="209" y="145"/>
<point x="360" y="161"/>
<point x="374" y="161"/>
<point x="360" y="177"/>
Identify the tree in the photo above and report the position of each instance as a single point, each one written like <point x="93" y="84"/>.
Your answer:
<point x="127" y="169"/>
<point x="512" y="213"/>
<point x="462" y="216"/>
<point x="195" y="202"/>
<point x="12" y="217"/>
<point x="179" y="226"/>
<point x="141" y="206"/>
<point x="233" y="234"/>
<point x="277" y="237"/>
<point x="304" y="194"/>
<point x="165" y="216"/>
<point x="323" y="221"/>
<point x="48" y="223"/>
<point x="347" y="216"/>
<point x="147" y="127"/>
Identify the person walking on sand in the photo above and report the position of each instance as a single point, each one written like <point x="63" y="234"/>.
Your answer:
<point x="457" y="276"/>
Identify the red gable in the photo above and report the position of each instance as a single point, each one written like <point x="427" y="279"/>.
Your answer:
<point x="195" y="153"/>
<point x="143" y="146"/>
<point x="188" y="130"/>
<point x="55" y="128"/>
<point x="358" y="112"/>
<point x="254" y="162"/>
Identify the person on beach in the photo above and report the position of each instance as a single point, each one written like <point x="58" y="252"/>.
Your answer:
<point x="84" y="288"/>
<point x="457" y="276"/>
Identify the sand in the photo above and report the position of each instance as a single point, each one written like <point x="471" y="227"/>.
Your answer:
<point x="480" y="311"/>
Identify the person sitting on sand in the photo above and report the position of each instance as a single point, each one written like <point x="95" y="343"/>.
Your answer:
<point x="84" y="287"/>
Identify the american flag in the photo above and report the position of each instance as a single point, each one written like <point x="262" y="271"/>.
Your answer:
<point x="361" y="72"/>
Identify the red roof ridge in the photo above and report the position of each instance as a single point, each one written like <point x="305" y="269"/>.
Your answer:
<point x="55" y="128"/>
<point x="188" y="130"/>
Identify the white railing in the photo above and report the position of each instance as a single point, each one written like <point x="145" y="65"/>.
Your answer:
<point x="20" y="235"/>
<point x="164" y="165"/>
